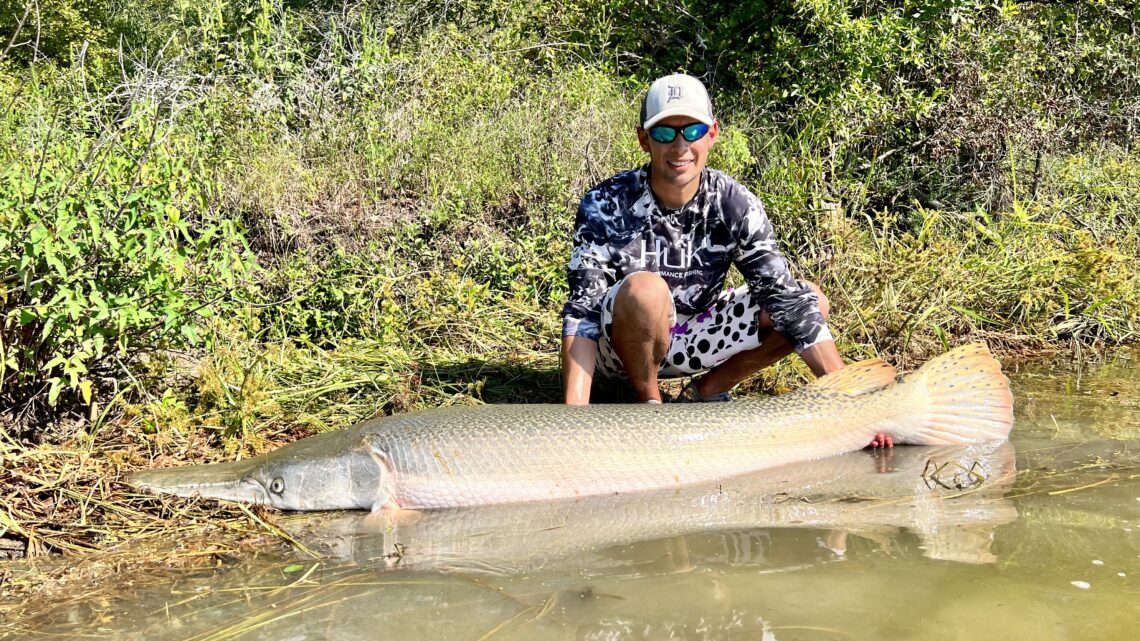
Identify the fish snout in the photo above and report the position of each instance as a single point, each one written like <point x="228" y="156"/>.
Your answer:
<point x="217" y="481"/>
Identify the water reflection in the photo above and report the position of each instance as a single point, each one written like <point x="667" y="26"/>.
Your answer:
<point x="1074" y="402"/>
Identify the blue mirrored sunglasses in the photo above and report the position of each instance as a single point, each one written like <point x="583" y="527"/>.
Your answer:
<point x="665" y="133"/>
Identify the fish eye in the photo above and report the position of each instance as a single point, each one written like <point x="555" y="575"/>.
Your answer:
<point x="277" y="486"/>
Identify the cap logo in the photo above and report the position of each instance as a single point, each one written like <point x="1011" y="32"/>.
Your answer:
<point x="674" y="93"/>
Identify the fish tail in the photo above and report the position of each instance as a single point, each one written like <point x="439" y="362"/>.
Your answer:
<point x="964" y="396"/>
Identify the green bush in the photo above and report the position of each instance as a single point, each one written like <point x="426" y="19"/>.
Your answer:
<point x="903" y="102"/>
<point x="408" y="173"/>
<point x="110" y="243"/>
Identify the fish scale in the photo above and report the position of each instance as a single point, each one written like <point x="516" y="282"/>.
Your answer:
<point x="459" y="455"/>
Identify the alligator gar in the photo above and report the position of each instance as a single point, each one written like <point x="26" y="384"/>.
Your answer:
<point x="491" y="454"/>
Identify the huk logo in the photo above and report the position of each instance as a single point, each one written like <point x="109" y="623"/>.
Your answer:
<point x="674" y="93"/>
<point x="663" y="255"/>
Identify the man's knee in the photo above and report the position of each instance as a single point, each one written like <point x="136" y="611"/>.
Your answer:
<point x="824" y="303"/>
<point x="642" y="292"/>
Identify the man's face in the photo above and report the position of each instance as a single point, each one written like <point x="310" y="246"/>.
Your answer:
<point x="678" y="163"/>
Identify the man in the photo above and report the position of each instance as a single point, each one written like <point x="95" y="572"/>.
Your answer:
<point x="652" y="248"/>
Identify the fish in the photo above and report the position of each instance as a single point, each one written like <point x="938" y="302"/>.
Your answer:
<point x="950" y="496"/>
<point x="494" y="454"/>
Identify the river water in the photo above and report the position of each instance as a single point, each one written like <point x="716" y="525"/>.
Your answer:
<point x="1034" y="539"/>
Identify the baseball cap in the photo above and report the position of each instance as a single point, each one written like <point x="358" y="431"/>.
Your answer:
<point x="676" y="95"/>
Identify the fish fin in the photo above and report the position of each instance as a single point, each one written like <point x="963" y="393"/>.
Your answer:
<point x="966" y="396"/>
<point x="386" y="491"/>
<point x="857" y="378"/>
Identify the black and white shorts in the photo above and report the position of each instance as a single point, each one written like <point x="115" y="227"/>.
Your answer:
<point x="698" y="342"/>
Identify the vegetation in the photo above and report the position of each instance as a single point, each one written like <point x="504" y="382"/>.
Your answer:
<point x="230" y="222"/>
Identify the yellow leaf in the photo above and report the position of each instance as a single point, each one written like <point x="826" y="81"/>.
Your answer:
<point x="85" y="389"/>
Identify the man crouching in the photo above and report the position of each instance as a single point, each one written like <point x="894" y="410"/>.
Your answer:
<point x="652" y="248"/>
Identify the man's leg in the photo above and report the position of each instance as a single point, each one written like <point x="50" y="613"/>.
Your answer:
<point x="773" y="347"/>
<point x="643" y="313"/>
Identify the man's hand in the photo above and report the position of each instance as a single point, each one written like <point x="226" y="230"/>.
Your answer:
<point x="882" y="439"/>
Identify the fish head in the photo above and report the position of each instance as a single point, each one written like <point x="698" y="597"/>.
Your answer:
<point x="347" y="481"/>
<point x="306" y="475"/>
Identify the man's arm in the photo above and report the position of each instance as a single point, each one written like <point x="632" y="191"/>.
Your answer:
<point x="823" y="358"/>
<point x="791" y="305"/>
<point x="590" y="275"/>
<point x="578" y="354"/>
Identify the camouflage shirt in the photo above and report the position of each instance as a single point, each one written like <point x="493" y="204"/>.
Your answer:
<point x="622" y="229"/>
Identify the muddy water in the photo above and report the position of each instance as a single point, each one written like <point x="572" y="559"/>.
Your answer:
<point x="1036" y="539"/>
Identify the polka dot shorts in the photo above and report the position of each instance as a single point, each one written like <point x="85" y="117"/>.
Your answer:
<point x="699" y="342"/>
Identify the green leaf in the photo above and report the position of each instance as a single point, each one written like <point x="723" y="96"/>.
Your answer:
<point x="97" y="300"/>
<point x="190" y="331"/>
<point x="75" y="304"/>
<point x="112" y="240"/>
<point x="1095" y="306"/>
<point x="54" y="261"/>
<point x="95" y="223"/>
<point x="55" y="385"/>
<point x="976" y="316"/>
<point x="37" y="234"/>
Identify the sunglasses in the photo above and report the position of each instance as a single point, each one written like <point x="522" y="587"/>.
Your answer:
<point x="666" y="134"/>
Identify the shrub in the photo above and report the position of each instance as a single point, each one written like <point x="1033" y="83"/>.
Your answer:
<point x="110" y="243"/>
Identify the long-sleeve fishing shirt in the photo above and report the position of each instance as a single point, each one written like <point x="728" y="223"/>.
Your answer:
<point x="621" y="229"/>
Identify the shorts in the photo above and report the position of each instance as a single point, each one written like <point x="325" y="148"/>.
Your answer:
<point x="698" y="342"/>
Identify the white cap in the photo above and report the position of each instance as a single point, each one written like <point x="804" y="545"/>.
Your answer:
<point x="676" y="95"/>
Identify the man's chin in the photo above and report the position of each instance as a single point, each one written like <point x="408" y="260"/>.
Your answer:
<point x="681" y="174"/>
<point x="681" y="179"/>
